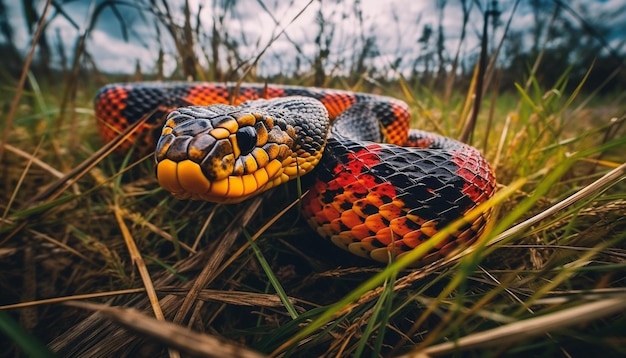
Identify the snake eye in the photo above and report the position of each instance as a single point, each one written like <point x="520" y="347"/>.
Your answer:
<point x="246" y="138"/>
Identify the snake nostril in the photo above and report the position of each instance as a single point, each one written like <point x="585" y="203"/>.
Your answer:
<point x="246" y="138"/>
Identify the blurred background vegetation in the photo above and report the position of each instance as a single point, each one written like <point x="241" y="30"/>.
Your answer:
<point x="436" y="44"/>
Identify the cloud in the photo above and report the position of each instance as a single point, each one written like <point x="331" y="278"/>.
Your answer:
<point x="116" y="55"/>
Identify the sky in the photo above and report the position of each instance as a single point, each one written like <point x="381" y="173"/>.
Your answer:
<point x="396" y="24"/>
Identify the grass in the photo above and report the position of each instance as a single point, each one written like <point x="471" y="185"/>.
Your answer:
<point x="95" y="256"/>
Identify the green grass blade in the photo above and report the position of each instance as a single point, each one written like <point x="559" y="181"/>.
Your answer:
<point x="272" y="278"/>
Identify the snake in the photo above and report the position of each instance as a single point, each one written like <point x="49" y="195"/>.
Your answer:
<point x="375" y="187"/>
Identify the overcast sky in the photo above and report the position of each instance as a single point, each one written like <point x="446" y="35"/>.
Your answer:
<point x="396" y="24"/>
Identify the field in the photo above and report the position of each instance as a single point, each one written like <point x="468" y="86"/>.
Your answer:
<point x="97" y="260"/>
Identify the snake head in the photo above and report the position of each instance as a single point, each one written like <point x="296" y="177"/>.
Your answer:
<point x="226" y="154"/>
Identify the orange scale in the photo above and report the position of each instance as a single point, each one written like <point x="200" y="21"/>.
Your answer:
<point x="385" y="189"/>
<point x="362" y="204"/>
<point x="385" y="236"/>
<point x="368" y="181"/>
<point x="416" y="219"/>
<point x="341" y="200"/>
<point x="399" y="203"/>
<point x="402" y="114"/>
<point x="382" y="194"/>
<point x="350" y="219"/>
<point x="429" y="228"/>
<point x="358" y="187"/>
<point x="374" y="199"/>
<point x="361" y="231"/>
<point x="375" y="223"/>
<point x="203" y="95"/>
<point x="311" y="206"/>
<point x="337" y="103"/>
<point x="413" y="239"/>
<point x="349" y="196"/>
<point x="400" y="227"/>
<point x="334" y="226"/>
<point x="390" y="211"/>
<point x="330" y="213"/>
<point x="396" y="135"/>
<point x="332" y="185"/>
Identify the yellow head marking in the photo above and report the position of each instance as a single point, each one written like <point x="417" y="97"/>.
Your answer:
<point x="191" y="178"/>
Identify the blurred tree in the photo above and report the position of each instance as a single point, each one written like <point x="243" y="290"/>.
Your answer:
<point x="367" y="43"/>
<point x="425" y="56"/>
<point x="466" y="7"/>
<point x="322" y="42"/>
<point x="441" y="49"/>
<point x="220" y="41"/>
<point x="181" y="34"/>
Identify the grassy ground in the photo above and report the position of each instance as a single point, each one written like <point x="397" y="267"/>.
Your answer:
<point x="84" y="231"/>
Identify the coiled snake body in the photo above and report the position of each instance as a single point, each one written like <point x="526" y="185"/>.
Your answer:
<point x="377" y="200"/>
